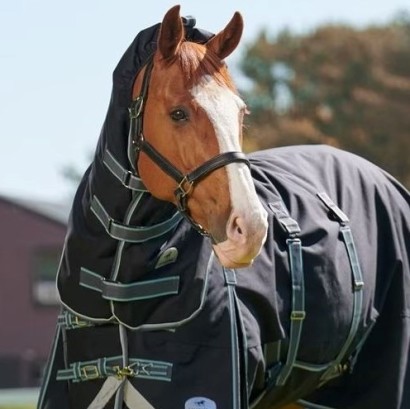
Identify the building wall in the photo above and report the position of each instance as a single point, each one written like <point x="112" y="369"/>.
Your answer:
<point x="26" y="327"/>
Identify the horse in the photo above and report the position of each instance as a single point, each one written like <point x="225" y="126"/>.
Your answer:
<point x="196" y="276"/>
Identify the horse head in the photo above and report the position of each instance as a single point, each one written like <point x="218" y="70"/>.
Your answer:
<point x="188" y="138"/>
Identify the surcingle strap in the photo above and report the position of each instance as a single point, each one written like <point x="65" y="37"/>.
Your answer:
<point x="298" y="314"/>
<point x="358" y="283"/>
<point x="113" y="366"/>
<point x="142" y="290"/>
<point x="126" y="177"/>
<point x="71" y="321"/>
<point x="132" y="234"/>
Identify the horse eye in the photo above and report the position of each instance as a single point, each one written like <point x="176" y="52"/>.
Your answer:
<point x="179" y="115"/>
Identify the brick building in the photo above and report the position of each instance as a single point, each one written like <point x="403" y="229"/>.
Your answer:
<point x="31" y="240"/>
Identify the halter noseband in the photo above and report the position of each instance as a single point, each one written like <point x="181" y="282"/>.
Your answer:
<point x="185" y="182"/>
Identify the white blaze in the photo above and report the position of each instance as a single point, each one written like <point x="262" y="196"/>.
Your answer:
<point x="223" y="108"/>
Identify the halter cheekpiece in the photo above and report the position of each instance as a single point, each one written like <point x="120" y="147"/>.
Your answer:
<point x="187" y="181"/>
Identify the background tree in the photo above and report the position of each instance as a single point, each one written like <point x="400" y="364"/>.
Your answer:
<point x="337" y="85"/>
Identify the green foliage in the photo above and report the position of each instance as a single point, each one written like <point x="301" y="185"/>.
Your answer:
<point x="337" y="85"/>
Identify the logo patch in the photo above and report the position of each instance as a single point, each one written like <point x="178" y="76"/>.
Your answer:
<point x="168" y="256"/>
<point x="200" y="403"/>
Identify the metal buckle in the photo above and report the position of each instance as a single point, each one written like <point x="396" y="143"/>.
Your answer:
<point x="298" y="315"/>
<point x="78" y="322"/>
<point x="181" y="184"/>
<point x="126" y="177"/>
<point x="122" y="373"/>
<point x="89" y="372"/>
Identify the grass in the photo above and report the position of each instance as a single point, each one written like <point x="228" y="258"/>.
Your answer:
<point x="17" y="406"/>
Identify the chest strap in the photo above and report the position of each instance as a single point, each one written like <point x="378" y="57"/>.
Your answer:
<point x="113" y="366"/>
<point x="141" y="290"/>
<point x="132" y="234"/>
<point x="298" y="314"/>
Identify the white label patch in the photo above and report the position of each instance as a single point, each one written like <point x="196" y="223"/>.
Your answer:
<point x="167" y="257"/>
<point x="200" y="403"/>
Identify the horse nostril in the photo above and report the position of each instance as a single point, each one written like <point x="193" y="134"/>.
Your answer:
<point x="237" y="228"/>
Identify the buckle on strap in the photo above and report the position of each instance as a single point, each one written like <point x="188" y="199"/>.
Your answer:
<point x="123" y="175"/>
<point x="298" y="315"/>
<point x="89" y="372"/>
<point x="133" y="234"/>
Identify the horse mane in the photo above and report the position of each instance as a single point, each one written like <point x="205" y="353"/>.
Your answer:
<point x="197" y="61"/>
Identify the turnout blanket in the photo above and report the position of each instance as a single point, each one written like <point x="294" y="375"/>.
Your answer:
<point x="150" y="318"/>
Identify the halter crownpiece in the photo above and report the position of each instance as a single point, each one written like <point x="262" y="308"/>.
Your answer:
<point x="187" y="181"/>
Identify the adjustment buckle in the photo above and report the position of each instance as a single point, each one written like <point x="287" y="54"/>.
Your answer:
<point x="89" y="372"/>
<point x="180" y="187"/>
<point x="298" y="315"/>
<point x="78" y="322"/>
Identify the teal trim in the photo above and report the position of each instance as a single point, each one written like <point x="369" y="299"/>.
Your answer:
<point x="132" y="234"/>
<point x="247" y="389"/>
<point x="359" y="346"/>
<point x="354" y="259"/>
<point x="298" y="313"/>
<point x="298" y="307"/>
<point x="110" y="366"/>
<point x="230" y="280"/>
<point x="335" y="369"/>
<point x="71" y="321"/>
<point x="142" y="290"/>
<point x="125" y="176"/>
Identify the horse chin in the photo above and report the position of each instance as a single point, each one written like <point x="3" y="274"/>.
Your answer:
<point x="229" y="256"/>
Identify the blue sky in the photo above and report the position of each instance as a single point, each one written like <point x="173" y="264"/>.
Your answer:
<point x="56" y="61"/>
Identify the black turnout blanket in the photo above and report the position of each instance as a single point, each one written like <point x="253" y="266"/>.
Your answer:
<point x="323" y="315"/>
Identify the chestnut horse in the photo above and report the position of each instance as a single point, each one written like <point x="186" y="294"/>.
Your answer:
<point x="194" y="94"/>
<point x="156" y="315"/>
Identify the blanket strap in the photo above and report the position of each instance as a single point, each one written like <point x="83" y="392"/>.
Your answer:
<point x="132" y="234"/>
<point x="231" y="282"/>
<point x="125" y="176"/>
<point x="141" y="290"/>
<point x="298" y="314"/>
<point x="71" y="321"/>
<point x="336" y="366"/>
<point x="112" y="366"/>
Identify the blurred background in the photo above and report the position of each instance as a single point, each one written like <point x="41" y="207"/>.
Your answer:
<point x="311" y="72"/>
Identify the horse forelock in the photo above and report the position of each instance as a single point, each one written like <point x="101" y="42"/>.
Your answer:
<point x="197" y="62"/>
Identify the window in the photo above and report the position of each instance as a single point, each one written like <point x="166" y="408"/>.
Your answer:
<point x="45" y="265"/>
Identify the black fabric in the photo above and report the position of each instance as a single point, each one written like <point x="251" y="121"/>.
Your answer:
<point x="194" y="330"/>
<point x="379" y="211"/>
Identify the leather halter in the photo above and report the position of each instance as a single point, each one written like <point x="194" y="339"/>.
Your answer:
<point x="187" y="181"/>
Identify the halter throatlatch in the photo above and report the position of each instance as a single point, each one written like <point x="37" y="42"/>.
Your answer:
<point x="185" y="182"/>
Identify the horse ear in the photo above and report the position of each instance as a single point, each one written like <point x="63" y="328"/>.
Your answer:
<point x="171" y="33"/>
<point x="228" y="39"/>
